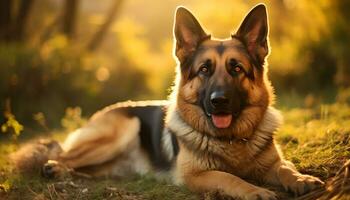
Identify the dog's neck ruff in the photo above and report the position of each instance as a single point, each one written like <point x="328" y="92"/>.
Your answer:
<point x="269" y="124"/>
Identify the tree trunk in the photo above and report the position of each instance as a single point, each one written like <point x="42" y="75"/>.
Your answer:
<point x="69" y="17"/>
<point x="22" y="19"/>
<point x="98" y="37"/>
<point x="5" y="19"/>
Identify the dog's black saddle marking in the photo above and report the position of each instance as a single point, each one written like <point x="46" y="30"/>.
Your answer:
<point x="152" y="127"/>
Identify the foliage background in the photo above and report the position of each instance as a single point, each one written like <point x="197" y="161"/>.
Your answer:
<point x="47" y="63"/>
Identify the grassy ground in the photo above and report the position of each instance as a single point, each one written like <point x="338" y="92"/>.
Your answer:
<point x="315" y="139"/>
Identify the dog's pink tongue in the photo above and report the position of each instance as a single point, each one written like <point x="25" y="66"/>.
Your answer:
<point x="222" y="121"/>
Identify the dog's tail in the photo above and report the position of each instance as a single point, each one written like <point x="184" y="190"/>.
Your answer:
<point x="31" y="157"/>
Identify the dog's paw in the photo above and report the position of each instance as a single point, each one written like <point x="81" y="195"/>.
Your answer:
<point x="260" y="194"/>
<point x="52" y="169"/>
<point x="303" y="184"/>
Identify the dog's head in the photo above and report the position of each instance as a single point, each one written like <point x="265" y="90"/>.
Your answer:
<point x="222" y="88"/>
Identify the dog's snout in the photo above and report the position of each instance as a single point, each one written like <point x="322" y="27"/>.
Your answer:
<point x="218" y="99"/>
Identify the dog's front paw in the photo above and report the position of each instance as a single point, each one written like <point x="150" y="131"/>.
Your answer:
<point x="52" y="169"/>
<point x="303" y="184"/>
<point x="260" y="194"/>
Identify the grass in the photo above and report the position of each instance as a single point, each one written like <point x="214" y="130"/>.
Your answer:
<point x="315" y="139"/>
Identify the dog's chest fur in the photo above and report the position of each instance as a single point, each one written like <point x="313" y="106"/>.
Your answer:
<point x="236" y="156"/>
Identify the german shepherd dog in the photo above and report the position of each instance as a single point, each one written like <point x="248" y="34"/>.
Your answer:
<point x="215" y="131"/>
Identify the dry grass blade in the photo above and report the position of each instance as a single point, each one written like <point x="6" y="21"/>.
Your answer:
<point x="336" y="188"/>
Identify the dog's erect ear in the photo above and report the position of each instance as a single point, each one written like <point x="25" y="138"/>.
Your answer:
<point x="254" y="33"/>
<point x="188" y="33"/>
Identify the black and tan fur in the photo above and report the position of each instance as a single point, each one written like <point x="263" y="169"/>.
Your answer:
<point x="179" y="135"/>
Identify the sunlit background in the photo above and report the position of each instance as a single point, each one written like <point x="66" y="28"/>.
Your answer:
<point x="71" y="57"/>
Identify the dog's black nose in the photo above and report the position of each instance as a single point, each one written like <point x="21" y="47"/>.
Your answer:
<point x="218" y="99"/>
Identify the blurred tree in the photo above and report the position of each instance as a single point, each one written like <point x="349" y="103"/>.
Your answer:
<point x="70" y="17"/>
<point x="340" y="41"/>
<point x="327" y="63"/>
<point x="21" y="19"/>
<point x="98" y="37"/>
<point x="5" y="18"/>
<point x="13" y="21"/>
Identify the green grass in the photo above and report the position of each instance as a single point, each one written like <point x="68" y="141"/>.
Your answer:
<point x="315" y="139"/>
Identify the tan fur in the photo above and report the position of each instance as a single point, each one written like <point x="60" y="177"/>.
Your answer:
<point x="215" y="165"/>
<point x="102" y="139"/>
<point x="239" y="153"/>
<point x="32" y="156"/>
<point x="107" y="145"/>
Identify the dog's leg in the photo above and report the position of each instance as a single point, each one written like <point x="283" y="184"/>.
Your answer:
<point x="284" y="173"/>
<point x="209" y="181"/>
<point x="99" y="141"/>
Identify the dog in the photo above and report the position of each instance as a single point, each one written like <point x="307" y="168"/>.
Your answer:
<point x="216" y="130"/>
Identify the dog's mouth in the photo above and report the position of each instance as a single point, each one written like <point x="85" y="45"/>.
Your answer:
<point x="221" y="120"/>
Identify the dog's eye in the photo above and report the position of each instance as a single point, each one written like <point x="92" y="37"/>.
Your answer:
<point x="235" y="67"/>
<point x="205" y="68"/>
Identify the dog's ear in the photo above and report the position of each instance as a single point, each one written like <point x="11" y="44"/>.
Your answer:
<point x="188" y="33"/>
<point x="254" y="33"/>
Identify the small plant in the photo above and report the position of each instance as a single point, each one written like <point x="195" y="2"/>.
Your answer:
<point x="72" y="119"/>
<point x="5" y="186"/>
<point x="11" y="126"/>
<point x="41" y="120"/>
